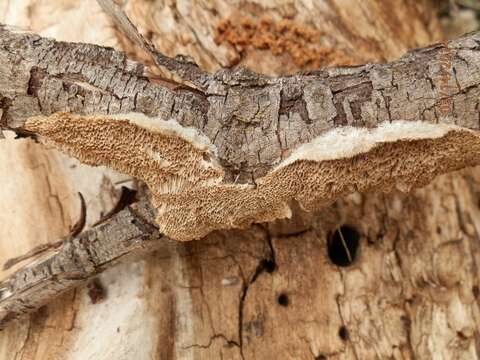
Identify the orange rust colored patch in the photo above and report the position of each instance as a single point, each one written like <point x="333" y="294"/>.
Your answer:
<point x="301" y="42"/>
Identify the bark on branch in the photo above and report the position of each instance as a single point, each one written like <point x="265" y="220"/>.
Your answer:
<point x="253" y="120"/>
<point x="77" y="259"/>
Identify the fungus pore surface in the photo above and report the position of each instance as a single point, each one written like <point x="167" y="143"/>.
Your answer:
<point x="187" y="183"/>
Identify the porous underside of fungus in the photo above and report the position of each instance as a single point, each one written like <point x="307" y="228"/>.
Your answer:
<point x="187" y="183"/>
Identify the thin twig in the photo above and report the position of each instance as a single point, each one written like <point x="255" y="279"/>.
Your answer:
<point x="74" y="231"/>
<point x="182" y="66"/>
<point x="80" y="224"/>
<point x="127" y="197"/>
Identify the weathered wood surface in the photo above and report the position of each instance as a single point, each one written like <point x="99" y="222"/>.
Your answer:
<point x="412" y="291"/>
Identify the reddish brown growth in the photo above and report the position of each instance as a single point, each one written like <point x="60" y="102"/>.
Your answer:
<point x="301" y="42"/>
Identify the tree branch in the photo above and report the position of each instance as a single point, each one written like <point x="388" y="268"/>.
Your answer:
<point x="76" y="259"/>
<point x="253" y="120"/>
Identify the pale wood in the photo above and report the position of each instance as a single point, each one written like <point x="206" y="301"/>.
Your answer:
<point x="404" y="297"/>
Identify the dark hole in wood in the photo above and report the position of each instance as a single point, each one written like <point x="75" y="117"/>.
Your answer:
<point x="283" y="299"/>
<point x="343" y="245"/>
<point x="343" y="333"/>
<point x="268" y="265"/>
<point x="320" y="357"/>
<point x="9" y="316"/>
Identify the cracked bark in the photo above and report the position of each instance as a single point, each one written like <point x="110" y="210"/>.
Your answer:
<point x="412" y="291"/>
<point x="253" y="120"/>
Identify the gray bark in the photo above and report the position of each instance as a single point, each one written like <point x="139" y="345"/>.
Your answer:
<point x="253" y="120"/>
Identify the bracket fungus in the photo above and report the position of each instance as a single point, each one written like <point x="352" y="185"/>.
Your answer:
<point x="188" y="186"/>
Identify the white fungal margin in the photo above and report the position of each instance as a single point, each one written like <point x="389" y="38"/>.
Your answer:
<point x="168" y="127"/>
<point x="348" y="141"/>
